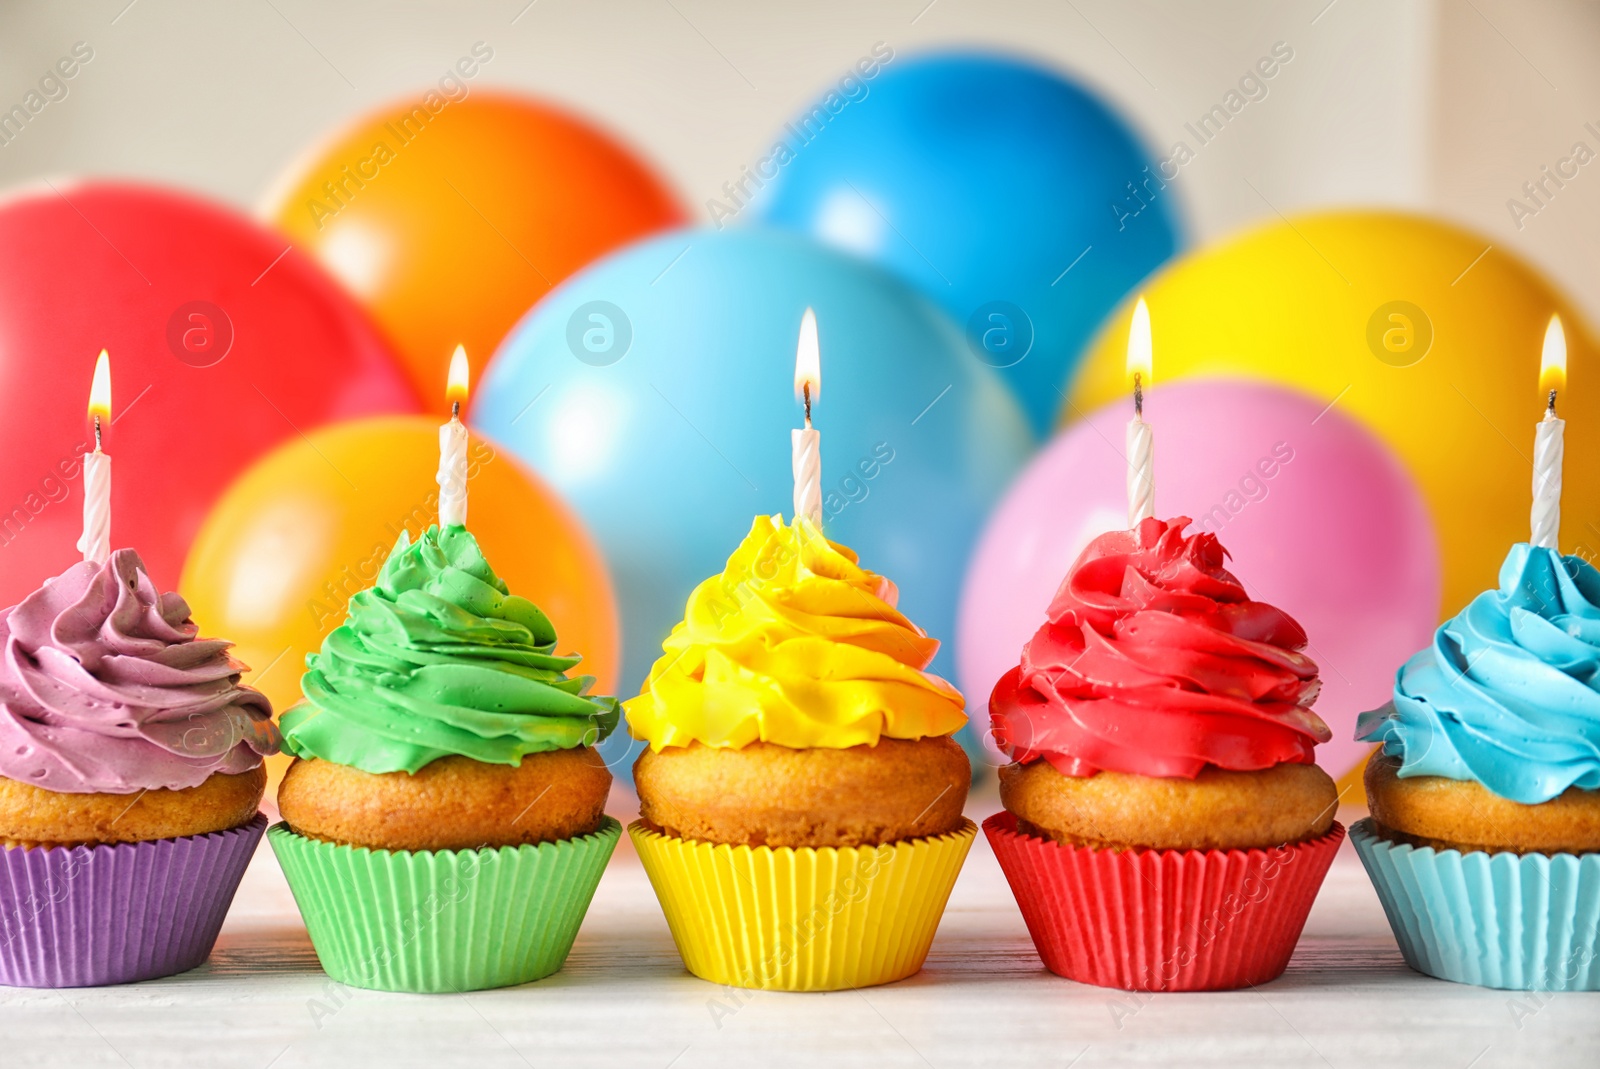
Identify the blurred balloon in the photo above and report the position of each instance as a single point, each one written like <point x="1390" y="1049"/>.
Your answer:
<point x="1419" y="330"/>
<point x="1318" y="518"/>
<point x="1352" y="786"/>
<point x="1013" y="197"/>
<point x="224" y="341"/>
<point x="311" y="524"/>
<point x="656" y="391"/>
<point x="449" y="217"/>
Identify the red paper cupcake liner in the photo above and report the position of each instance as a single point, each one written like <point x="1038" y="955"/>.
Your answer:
<point x="1162" y="920"/>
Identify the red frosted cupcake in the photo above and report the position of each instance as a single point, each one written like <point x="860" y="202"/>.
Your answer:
<point x="1165" y="827"/>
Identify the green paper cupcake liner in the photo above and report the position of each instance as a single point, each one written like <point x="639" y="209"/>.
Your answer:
<point x="1521" y="922"/>
<point x="443" y="920"/>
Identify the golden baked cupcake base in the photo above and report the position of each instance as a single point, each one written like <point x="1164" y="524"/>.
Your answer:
<point x="454" y="803"/>
<point x="32" y="816"/>
<point x="1464" y="815"/>
<point x="1217" y="810"/>
<point x="769" y="795"/>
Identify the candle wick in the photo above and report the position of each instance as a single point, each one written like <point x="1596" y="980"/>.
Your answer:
<point x="97" y="433"/>
<point x="1551" y="408"/>
<point x="805" y="390"/>
<point x="1138" y="395"/>
<point x="455" y="409"/>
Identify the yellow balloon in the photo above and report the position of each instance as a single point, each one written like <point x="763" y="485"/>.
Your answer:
<point x="1423" y="331"/>
<point x="310" y="524"/>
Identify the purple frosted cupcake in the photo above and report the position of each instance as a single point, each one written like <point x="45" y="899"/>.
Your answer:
<point x="130" y="777"/>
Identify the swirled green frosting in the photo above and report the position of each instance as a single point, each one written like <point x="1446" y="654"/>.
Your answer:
<point x="439" y="658"/>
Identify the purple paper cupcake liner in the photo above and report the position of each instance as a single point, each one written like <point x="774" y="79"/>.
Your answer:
<point x="91" y="915"/>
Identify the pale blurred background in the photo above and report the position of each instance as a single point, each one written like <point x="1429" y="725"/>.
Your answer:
<point x="1448" y="106"/>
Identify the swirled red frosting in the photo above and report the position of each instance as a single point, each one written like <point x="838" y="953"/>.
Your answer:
<point x="1155" y="661"/>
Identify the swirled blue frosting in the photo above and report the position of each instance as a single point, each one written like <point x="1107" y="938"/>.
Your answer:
<point x="1509" y="692"/>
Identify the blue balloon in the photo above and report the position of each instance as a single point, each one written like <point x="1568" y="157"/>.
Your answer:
<point x="1015" y="199"/>
<point x="655" y="391"/>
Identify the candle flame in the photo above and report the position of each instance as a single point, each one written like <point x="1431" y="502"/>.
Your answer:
<point x="457" y="388"/>
<point x="808" y="360"/>
<point x="1139" y="348"/>
<point x="1553" y="364"/>
<point x="100" y="391"/>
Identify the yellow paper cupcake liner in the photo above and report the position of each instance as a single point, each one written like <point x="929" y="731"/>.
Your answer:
<point x="786" y="919"/>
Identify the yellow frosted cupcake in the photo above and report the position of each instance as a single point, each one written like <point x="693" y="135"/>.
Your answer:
<point x="801" y="794"/>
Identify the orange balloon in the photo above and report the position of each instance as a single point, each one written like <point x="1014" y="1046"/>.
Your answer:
<point x="311" y="523"/>
<point x="450" y="218"/>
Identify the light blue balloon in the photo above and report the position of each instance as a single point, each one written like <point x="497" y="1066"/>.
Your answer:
<point x="655" y="391"/>
<point x="1013" y="197"/>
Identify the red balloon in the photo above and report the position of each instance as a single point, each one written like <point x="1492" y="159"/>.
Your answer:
<point x="224" y="342"/>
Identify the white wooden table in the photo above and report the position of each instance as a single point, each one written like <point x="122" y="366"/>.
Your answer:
<point x="624" y="999"/>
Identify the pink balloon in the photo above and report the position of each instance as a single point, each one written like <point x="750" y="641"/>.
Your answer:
<point x="1317" y="516"/>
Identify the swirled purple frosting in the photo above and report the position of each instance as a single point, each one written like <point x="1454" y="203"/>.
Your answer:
<point x="104" y="687"/>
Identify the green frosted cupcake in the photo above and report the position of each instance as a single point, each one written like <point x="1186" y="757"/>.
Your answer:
<point x="444" y="824"/>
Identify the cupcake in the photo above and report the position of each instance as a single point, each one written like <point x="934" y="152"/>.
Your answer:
<point x="130" y="776"/>
<point x="800" y="799"/>
<point x="1484" y="839"/>
<point x="1164" y="826"/>
<point x="444" y="825"/>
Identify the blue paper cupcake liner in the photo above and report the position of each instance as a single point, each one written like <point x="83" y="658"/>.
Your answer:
<point x="1528" y="922"/>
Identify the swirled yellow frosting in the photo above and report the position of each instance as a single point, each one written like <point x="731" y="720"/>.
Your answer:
<point x="796" y="644"/>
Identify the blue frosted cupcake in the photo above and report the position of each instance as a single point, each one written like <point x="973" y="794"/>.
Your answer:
<point x="1484" y="839"/>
